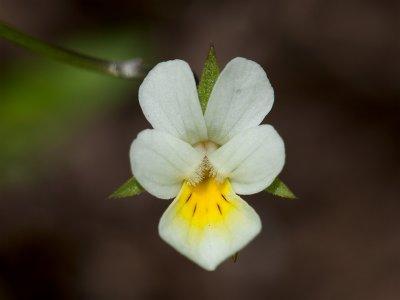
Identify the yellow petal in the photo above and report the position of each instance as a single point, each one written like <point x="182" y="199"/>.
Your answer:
<point x="208" y="222"/>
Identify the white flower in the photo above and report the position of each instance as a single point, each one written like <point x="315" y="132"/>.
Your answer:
<point x="204" y="161"/>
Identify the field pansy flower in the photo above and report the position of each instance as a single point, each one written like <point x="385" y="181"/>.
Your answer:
<point x="205" y="161"/>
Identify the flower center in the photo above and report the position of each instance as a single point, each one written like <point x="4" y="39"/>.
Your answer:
<point x="205" y="169"/>
<point x="206" y="147"/>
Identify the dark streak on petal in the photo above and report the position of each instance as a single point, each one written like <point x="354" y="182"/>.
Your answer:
<point x="194" y="210"/>
<point x="219" y="208"/>
<point x="188" y="198"/>
<point x="224" y="198"/>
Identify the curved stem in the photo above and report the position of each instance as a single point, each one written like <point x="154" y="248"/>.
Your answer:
<point x="127" y="69"/>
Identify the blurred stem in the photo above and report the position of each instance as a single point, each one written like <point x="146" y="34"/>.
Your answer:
<point x="127" y="69"/>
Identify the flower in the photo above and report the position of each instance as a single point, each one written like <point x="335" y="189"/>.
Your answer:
<point x="204" y="161"/>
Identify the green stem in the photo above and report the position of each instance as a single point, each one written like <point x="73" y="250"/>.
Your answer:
<point x="127" y="69"/>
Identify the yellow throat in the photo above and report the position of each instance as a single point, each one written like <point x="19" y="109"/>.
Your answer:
<point x="208" y="202"/>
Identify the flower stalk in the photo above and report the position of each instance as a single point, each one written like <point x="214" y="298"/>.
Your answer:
<point x="127" y="69"/>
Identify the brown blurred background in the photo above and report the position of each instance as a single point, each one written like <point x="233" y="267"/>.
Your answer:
<point x="65" y="135"/>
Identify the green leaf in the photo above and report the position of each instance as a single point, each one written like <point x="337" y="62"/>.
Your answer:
<point x="278" y="188"/>
<point x="208" y="78"/>
<point x="130" y="188"/>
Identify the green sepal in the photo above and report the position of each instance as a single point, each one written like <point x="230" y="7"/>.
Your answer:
<point x="208" y="78"/>
<point x="130" y="188"/>
<point x="278" y="188"/>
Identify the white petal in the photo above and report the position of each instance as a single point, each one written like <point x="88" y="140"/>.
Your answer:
<point x="252" y="159"/>
<point x="241" y="98"/>
<point x="208" y="223"/>
<point x="169" y="100"/>
<point x="160" y="162"/>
